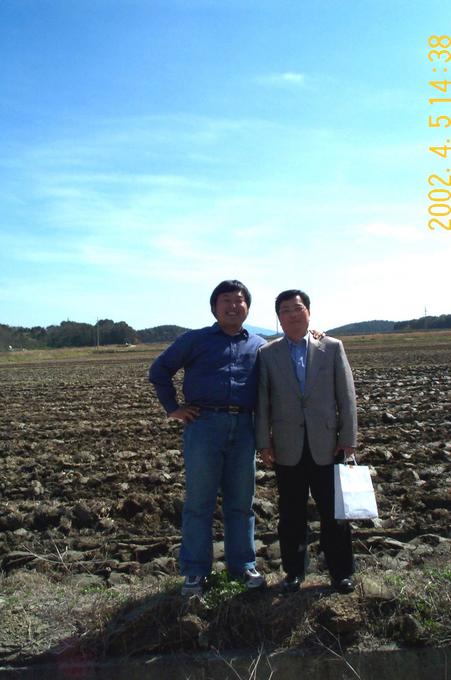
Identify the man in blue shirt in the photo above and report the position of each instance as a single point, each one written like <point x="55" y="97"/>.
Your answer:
<point x="220" y="390"/>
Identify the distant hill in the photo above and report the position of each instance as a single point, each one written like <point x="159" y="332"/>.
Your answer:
<point x="75" y="334"/>
<point x="160" y="333"/>
<point x="170" y="333"/>
<point x="264" y="332"/>
<point x="363" y="327"/>
<point x="104" y="332"/>
<point x="425" y="323"/>
<point x="368" y="327"/>
<point x="108" y="332"/>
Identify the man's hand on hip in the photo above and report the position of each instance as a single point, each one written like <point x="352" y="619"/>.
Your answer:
<point x="186" y="414"/>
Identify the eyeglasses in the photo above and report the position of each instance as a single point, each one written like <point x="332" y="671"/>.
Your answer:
<point x="294" y="309"/>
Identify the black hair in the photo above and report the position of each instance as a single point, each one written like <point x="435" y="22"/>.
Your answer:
<point x="229" y="286"/>
<point x="288" y="294"/>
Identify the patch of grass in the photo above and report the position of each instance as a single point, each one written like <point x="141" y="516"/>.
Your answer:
<point x="397" y="580"/>
<point x="421" y="610"/>
<point x="444" y="573"/>
<point x="104" y="591"/>
<point x="413" y="339"/>
<point x="221" y="588"/>
<point x="45" y="612"/>
<point x="62" y="354"/>
<point x="171" y="585"/>
<point x="382" y="341"/>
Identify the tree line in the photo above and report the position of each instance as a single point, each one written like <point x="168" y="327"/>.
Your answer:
<point x="424" y="323"/>
<point x="377" y="326"/>
<point x="108" y="332"/>
<point x="76" y="334"/>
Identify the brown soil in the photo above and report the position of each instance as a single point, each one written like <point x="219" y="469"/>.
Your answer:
<point x="92" y="473"/>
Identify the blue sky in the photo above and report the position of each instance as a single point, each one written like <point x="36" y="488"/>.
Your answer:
<point x="152" y="148"/>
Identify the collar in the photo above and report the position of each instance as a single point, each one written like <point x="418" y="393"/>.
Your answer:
<point x="216" y="328"/>
<point x="291" y="343"/>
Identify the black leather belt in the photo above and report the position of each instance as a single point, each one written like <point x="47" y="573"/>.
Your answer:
<point x="226" y="409"/>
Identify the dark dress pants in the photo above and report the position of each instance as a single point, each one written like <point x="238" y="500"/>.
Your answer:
<point x="294" y="483"/>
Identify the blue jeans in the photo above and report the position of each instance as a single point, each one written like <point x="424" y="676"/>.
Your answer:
<point x="219" y="453"/>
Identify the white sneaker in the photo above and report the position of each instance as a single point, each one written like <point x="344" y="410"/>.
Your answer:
<point x="194" y="585"/>
<point x="252" y="579"/>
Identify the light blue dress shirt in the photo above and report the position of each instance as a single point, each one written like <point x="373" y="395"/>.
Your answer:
<point x="298" y="351"/>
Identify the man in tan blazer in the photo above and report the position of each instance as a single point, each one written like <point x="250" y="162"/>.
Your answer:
<point x="306" y="417"/>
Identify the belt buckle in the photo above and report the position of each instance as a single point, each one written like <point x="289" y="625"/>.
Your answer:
<point x="234" y="409"/>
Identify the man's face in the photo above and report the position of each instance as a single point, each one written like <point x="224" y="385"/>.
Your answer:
<point x="294" y="317"/>
<point x="231" y="310"/>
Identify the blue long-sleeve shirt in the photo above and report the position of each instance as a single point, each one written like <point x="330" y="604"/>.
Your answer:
<point x="220" y="369"/>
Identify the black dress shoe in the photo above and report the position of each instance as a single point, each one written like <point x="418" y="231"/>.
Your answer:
<point x="291" y="584"/>
<point x="343" y="585"/>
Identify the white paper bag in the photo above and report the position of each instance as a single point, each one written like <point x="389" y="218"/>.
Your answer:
<point x="354" y="493"/>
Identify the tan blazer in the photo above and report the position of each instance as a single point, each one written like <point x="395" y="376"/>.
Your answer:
<point x="327" y="408"/>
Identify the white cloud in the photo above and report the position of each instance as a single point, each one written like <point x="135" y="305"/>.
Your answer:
<point x="411" y="232"/>
<point x="130" y="204"/>
<point x="286" y="78"/>
<point x="131" y="179"/>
